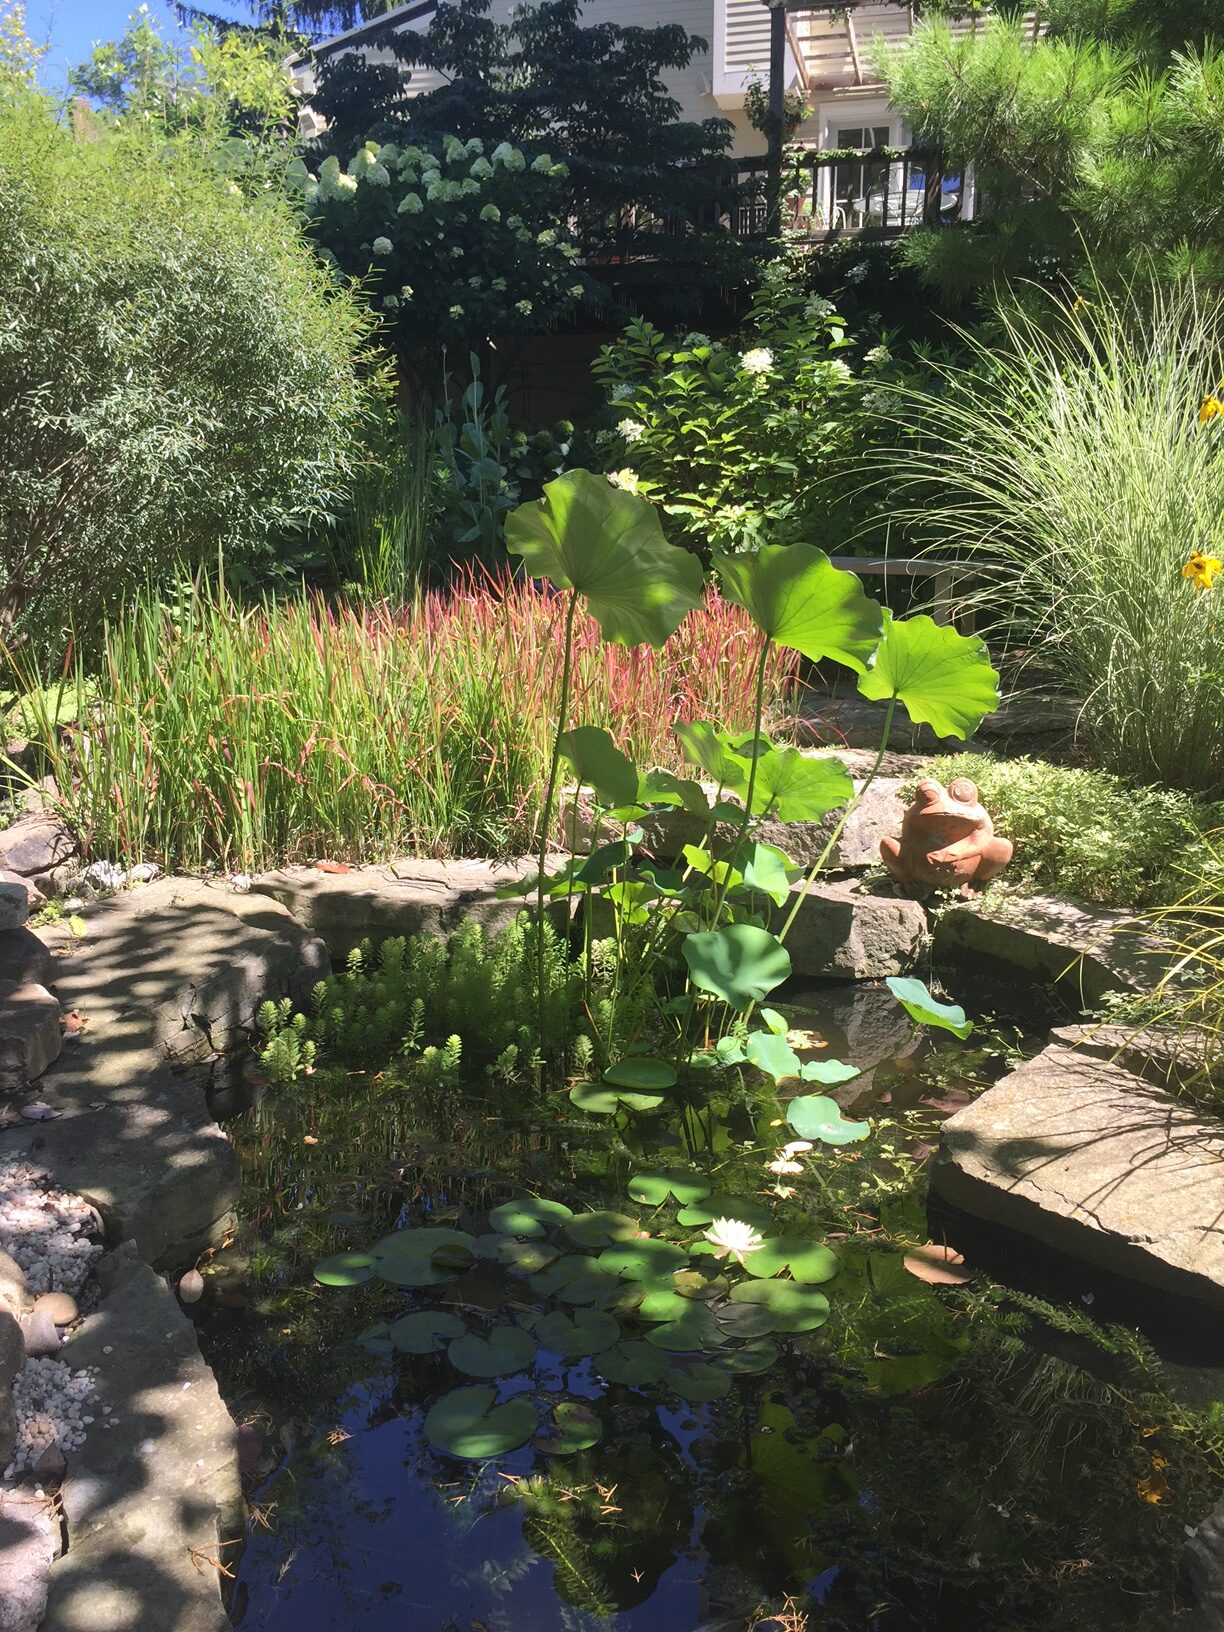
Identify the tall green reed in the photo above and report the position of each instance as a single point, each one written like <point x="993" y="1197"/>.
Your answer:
<point x="1068" y="466"/>
<point x="216" y="734"/>
<point x="380" y="543"/>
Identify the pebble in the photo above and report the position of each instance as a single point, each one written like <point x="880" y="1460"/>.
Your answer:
<point x="38" y="1330"/>
<point x="191" y="1287"/>
<point x="50" y="1399"/>
<point x="61" y="1306"/>
<point x="47" y="1231"/>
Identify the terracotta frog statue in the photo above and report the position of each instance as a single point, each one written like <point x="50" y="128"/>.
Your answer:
<point x="947" y="839"/>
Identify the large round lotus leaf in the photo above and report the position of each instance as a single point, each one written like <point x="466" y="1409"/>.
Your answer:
<point x="754" y="1357"/>
<point x="746" y="1320"/>
<point x="806" y="1260"/>
<point x="739" y="963"/>
<point x="662" y="1303"/>
<point x="943" y="678"/>
<point x="423" y="1257"/>
<point x="426" y="1332"/>
<point x="574" y="1427"/>
<point x="642" y="1074"/>
<point x="529" y="1216"/>
<point x="507" y="1349"/>
<point x="653" y="1189"/>
<point x="575" y="1279"/>
<point x="599" y="764"/>
<point x="585" y="1332"/>
<point x="346" y="1269"/>
<point x="794" y="1308"/>
<point x="830" y="1072"/>
<point x="915" y="998"/>
<point x="696" y="1329"/>
<point x="815" y="1116"/>
<point x="526" y="1257"/>
<point x="469" y="1423"/>
<point x="795" y="594"/>
<point x="633" y="1363"/>
<point x="698" y="1382"/>
<point x="646" y="1260"/>
<point x="601" y="1229"/>
<point x="599" y="1100"/>
<point x="743" y="1209"/>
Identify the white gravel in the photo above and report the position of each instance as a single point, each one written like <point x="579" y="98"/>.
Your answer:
<point x="52" y="1403"/>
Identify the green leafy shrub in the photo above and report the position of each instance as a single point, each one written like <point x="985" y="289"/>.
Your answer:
<point x="1086" y="833"/>
<point x="737" y="443"/>
<point x="178" y="376"/>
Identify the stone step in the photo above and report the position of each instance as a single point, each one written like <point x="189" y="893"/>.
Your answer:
<point x="1086" y="1158"/>
<point x="847" y="931"/>
<point x="30" y="1036"/>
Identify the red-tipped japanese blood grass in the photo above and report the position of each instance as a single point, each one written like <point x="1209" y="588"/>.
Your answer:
<point x="221" y="735"/>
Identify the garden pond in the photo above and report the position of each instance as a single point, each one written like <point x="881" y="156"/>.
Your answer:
<point x="539" y="1400"/>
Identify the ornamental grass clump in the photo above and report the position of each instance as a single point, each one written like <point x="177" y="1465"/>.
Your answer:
<point x="214" y="734"/>
<point x="1074" y="465"/>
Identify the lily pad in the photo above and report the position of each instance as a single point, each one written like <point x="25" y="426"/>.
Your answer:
<point x="376" y="1338"/>
<point x="427" y="1331"/>
<point x="601" y="1229"/>
<point x="526" y="1257"/>
<point x="596" y="1099"/>
<point x="646" y="1260"/>
<point x="662" y="1302"/>
<point x="652" y="1189"/>
<point x="747" y="1320"/>
<point x="638" y="1072"/>
<point x="794" y="1308"/>
<point x="695" y="1330"/>
<point x="808" y="1261"/>
<point x="633" y="1363"/>
<point x="507" y="1349"/>
<point x="699" y="1382"/>
<point x="346" y="1269"/>
<point x="574" y="1427"/>
<point x="576" y="1279"/>
<point x="815" y="1116"/>
<point x="469" y="1423"/>
<point x="573" y="1337"/>
<point x="423" y="1257"/>
<point x="918" y="1003"/>
<point x="757" y="1356"/>
<point x="743" y="1209"/>
<point x="529" y="1216"/>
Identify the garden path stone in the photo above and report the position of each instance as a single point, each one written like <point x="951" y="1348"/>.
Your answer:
<point x="846" y="931"/>
<point x="402" y="898"/>
<point x="34" y="845"/>
<point x="27" y="1546"/>
<point x="138" y="1497"/>
<point x="1089" y="949"/>
<point x="24" y="956"/>
<point x="1170" y="1058"/>
<point x="14" y="905"/>
<point x="30" y="1036"/>
<point x="1092" y="1161"/>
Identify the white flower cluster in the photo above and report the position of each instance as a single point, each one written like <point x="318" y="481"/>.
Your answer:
<point x="621" y="393"/>
<point x="625" y="478"/>
<point x="878" y="354"/>
<point x="108" y="875"/>
<point x="758" y="360"/>
<point x="50" y="1401"/>
<point x="818" y="307"/>
<point x="382" y="246"/>
<point x="632" y="430"/>
<point x="45" y="1230"/>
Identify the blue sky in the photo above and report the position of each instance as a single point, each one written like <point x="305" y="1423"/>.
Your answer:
<point x="70" y="27"/>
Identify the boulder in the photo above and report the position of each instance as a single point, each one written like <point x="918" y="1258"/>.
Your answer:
<point x="15" y="1296"/>
<point x="12" y="1358"/>
<point x="1088" y="1159"/>
<point x="34" y="845"/>
<point x="844" y="931"/>
<point x="1089" y="950"/>
<point x="1203" y="1571"/>
<point x="29" y="1531"/>
<point x="14" y="904"/>
<point x="403" y="898"/>
<point x="35" y="897"/>
<point x="140" y="1497"/>
<point x="24" y="958"/>
<point x="30" y="1036"/>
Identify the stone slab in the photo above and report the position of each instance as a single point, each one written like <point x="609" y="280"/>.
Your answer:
<point x="1172" y="1059"/>
<point x="403" y="898"/>
<point x="1088" y="949"/>
<point x="846" y="931"/>
<point x="30" y="1036"/>
<point x="35" y="845"/>
<point x="140" y="1496"/>
<point x="25" y="956"/>
<point x="28" y="1534"/>
<point x="1094" y="1162"/>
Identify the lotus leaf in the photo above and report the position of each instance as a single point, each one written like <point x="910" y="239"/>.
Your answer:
<point x="808" y="1261"/>
<point x="918" y="1003"/>
<point x="428" y="1331"/>
<point x="574" y="1427"/>
<point x="469" y="1423"/>
<point x="707" y="747"/>
<point x="794" y="1308"/>
<point x="828" y="1072"/>
<point x="767" y="870"/>
<point x="739" y="963"/>
<point x="529" y="1216"/>
<point x="776" y="1022"/>
<point x="507" y="1349"/>
<point x="796" y="596"/>
<point x="599" y="764"/>
<point x="346" y="1269"/>
<point x="653" y="1189"/>
<point x="573" y="1337"/>
<point x="646" y="1260"/>
<point x="796" y="788"/>
<point x="598" y="1100"/>
<point x="773" y="1055"/>
<point x="641" y="1073"/>
<point x="943" y="678"/>
<point x="815" y="1116"/>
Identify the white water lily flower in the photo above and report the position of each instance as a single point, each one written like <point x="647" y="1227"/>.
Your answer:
<point x="731" y="1238"/>
<point x="797" y="1147"/>
<point x="783" y="1167"/>
<point x="631" y="429"/>
<point x="759" y="360"/>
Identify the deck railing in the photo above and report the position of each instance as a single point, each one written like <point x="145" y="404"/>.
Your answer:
<point x="880" y="193"/>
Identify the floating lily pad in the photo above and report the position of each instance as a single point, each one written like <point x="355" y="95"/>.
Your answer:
<point x="743" y="1209"/>
<point x="423" y="1257"/>
<point x="695" y="1330"/>
<point x="427" y="1331"/>
<point x="575" y="1279"/>
<point x="601" y="1229"/>
<point x="703" y="1282"/>
<point x="663" y="1303"/>
<point x="529" y="1216"/>
<point x="597" y="1099"/>
<point x="573" y="1337"/>
<point x="699" y="1382"/>
<point x="526" y="1257"/>
<point x="633" y="1363"/>
<point x="573" y="1427"/>
<point x="376" y="1338"/>
<point x="807" y="1260"/>
<point x="346" y="1269"/>
<point x="647" y="1260"/>
<point x="814" y="1116"/>
<point x="794" y="1308"/>
<point x="507" y="1349"/>
<point x="746" y="1320"/>
<point x="652" y="1189"/>
<point x="469" y="1423"/>
<point x="642" y="1074"/>
<point x="754" y="1357"/>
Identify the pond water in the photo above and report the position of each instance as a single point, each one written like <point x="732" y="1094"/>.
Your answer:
<point x="912" y="1457"/>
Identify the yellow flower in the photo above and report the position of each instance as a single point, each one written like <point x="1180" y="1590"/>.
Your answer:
<point x="1202" y="570"/>
<point x="1212" y="408"/>
<point x="732" y="1239"/>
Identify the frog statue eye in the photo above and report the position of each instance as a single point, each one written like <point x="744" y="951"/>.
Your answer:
<point x="964" y="791"/>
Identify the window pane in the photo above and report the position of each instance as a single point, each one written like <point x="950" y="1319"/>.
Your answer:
<point x="850" y="137"/>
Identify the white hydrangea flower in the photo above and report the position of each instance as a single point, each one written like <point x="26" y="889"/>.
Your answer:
<point x="621" y="393"/>
<point x="878" y="354"/>
<point x="576" y="291"/>
<point x="858" y="272"/>
<point x="473" y="147"/>
<point x="490" y="213"/>
<point x="840" y="368"/>
<point x="468" y="187"/>
<point x="695" y="339"/>
<point x="454" y="149"/>
<point x="818" y="307"/>
<point x="410" y="204"/>
<point x="378" y="175"/>
<point x="382" y="246"/>
<point x="388" y="153"/>
<point x="547" y="237"/>
<point x="559" y="171"/>
<point x="456" y="311"/>
<point x="514" y="221"/>
<point x="523" y="306"/>
<point x="543" y="165"/>
<point x="625" y="478"/>
<point x="391" y="303"/>
<point x="482" y="170"/>
<point x="631" y="429"/>
<point x="500" y="285"/>
<point x="757" y="360"/>
<point x="502" y="152"/>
